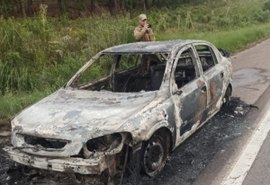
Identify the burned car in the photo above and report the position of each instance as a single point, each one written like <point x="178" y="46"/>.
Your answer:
<point x="139" y="99"/>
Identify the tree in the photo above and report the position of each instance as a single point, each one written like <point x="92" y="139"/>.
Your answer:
<point x="146" y="5"/>
<point x="62" y="4"/>
<point x="22" y="7"/>
<point x="30" y="7"/>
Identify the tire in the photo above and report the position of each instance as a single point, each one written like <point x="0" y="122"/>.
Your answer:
<point x="154" y="154"/>
<point x="227" y="97"/>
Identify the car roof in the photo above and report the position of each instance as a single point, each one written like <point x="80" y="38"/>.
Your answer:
<point x="149" y="47"/>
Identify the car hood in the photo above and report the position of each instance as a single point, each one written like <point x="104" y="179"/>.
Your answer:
<point x="81" y="114"/>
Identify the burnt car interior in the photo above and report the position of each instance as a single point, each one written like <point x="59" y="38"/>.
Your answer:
<point x="128" y="73"/>
<point x="141" y="72"/>
<point x="146" y="77"/>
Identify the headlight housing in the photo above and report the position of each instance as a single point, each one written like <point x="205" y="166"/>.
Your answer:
<point x="109" y="144"/>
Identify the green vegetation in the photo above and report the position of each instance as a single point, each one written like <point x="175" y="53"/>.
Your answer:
<point x="39" y="54"/>
<point x="11" y="104"/>
<point x="233" y="40"/>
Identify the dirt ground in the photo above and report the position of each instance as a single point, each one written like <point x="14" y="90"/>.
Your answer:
<point x="183" y="166"/>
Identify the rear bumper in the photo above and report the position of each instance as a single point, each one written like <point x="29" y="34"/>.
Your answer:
<point x="93" y="166"/>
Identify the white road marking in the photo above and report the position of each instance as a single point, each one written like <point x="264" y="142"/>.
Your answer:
<point x="242" y="166"/>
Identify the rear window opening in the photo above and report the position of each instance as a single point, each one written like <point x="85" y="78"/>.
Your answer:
<point x="207" y="57"/>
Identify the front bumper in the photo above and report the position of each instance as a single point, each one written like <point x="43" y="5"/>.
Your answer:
<point x="93" y="166"/>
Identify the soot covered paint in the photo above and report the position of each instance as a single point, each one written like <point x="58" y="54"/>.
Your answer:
<point x="117" y="123"/>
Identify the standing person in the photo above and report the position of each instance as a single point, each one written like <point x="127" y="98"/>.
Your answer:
<point x="144" y="32"/>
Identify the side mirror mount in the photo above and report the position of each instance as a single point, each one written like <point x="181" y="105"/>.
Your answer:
<point x="178" y="92"/>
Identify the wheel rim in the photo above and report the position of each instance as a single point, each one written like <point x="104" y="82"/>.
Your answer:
<point x="225" y="99"/>
<point x="227" y="96"/>
<point x="154" y="157"/>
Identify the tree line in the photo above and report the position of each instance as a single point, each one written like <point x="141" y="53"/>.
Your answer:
<point x="24" y="8"/>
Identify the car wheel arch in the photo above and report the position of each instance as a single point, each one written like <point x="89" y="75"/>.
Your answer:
<point x="226" y="96"/>
<point x="228" y="91"/>
<point x="140" y="136"/>
<point x="164" y="136"/>
<point x="230" y="87"/>
<point x="162" y="130"/>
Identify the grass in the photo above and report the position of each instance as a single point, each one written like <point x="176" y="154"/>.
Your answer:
<point x="38" y="55"/>
<point x="233" y="40"/>
<point x="12" y="104"/>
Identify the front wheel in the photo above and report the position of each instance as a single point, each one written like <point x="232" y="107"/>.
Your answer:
<point x="154" y="154"/>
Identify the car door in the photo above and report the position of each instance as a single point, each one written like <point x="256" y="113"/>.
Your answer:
<point x="190" y="90"/>
<point x="212" y="73"/>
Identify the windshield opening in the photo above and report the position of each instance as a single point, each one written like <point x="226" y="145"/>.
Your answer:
<point x="123" y="73"/>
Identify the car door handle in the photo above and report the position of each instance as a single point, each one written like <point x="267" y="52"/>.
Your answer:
<point x="222" y="75"/>
<point x="203" y="89"/>
<point x="178" y="92"/>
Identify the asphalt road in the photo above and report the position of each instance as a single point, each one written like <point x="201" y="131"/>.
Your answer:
<point x="252" y="72"/>
<point x="205" y="157"/>
<point x="260" y="170"/>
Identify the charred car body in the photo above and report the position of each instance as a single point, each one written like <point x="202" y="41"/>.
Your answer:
<point x="144" y="98"/>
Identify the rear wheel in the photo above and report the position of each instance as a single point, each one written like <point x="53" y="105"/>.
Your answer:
<point x="227" y="97"/>
<point x="154" y="154"/>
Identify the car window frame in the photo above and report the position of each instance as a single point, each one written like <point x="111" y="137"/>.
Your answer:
<point x="213" y="53"/>
<point x="196" y="65"/>
<point x="117" y="61"/>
